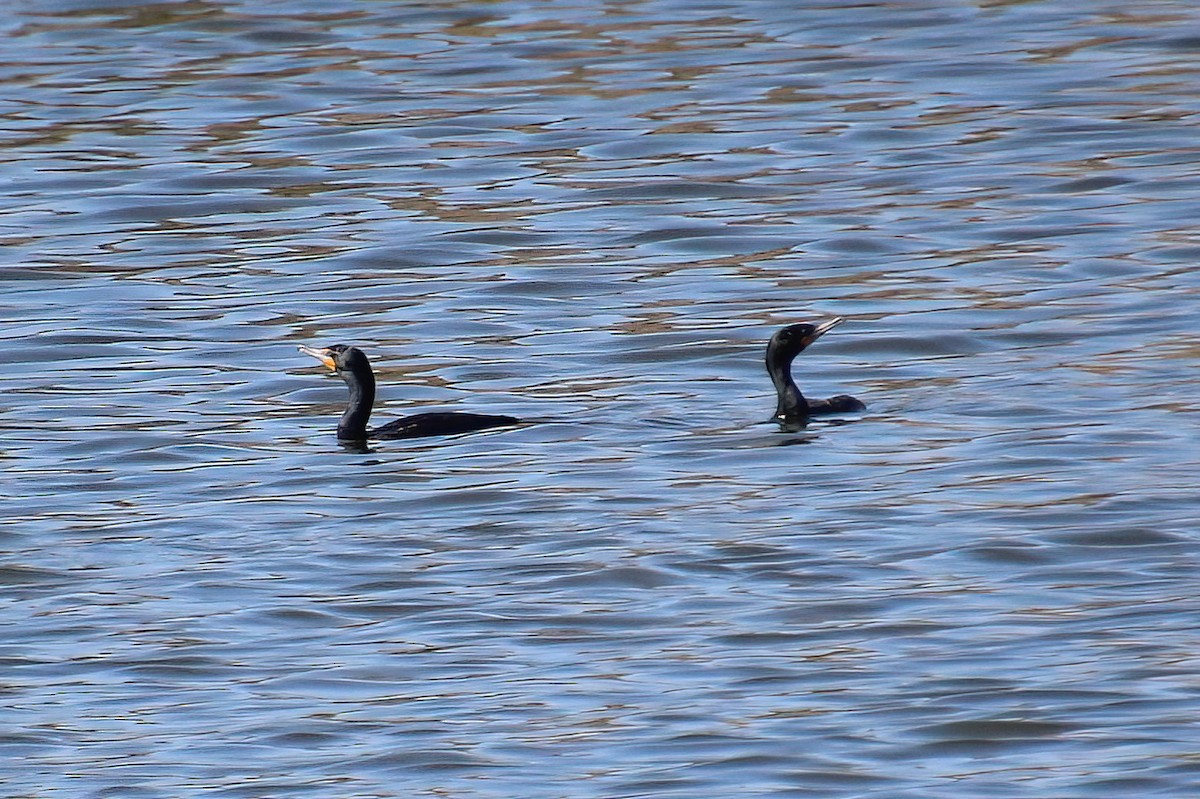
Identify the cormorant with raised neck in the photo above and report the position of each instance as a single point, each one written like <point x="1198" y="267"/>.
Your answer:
<point x="793" y="407"/>
<point x="351" y="365"/>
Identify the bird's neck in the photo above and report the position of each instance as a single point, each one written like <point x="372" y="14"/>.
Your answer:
<point x="792" y="405"/>
<point x="353" y="424"/>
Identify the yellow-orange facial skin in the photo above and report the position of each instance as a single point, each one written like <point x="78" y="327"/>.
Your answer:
<point x="323" y="355"/>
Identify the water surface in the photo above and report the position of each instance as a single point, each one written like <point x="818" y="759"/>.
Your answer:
<point x="593" y="215"/>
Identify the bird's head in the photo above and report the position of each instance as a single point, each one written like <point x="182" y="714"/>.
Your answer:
<point x="339" y="357"/>
<point x="792" y="340"/>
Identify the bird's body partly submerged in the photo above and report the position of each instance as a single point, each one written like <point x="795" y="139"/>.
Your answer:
<point x="793" y="408"/>
<point x="351" y="365"/>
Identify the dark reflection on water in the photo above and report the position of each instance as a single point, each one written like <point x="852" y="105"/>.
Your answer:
<point x="593" y="217"/>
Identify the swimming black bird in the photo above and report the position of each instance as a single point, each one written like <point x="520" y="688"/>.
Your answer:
<point x="793" y="408"/>
<point x="352" y="366"/>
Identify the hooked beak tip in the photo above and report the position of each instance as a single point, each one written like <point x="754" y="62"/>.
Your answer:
<point x="825" y="327"/>
<point x="321" y="355"/>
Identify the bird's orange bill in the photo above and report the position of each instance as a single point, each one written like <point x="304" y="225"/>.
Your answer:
<point x="323" y="355"/>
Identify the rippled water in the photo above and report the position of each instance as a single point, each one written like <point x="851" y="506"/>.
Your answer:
<point x="593" y="215"/>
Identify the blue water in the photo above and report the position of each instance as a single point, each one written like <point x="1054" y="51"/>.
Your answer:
<point x="593" y="216"/>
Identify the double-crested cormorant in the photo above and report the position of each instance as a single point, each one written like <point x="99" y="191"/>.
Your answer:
<point x="352" y="366"/>
<point x="793" y="408"/>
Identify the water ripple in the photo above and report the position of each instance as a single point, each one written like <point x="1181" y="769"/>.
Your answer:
<point x="593" y="218"/>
